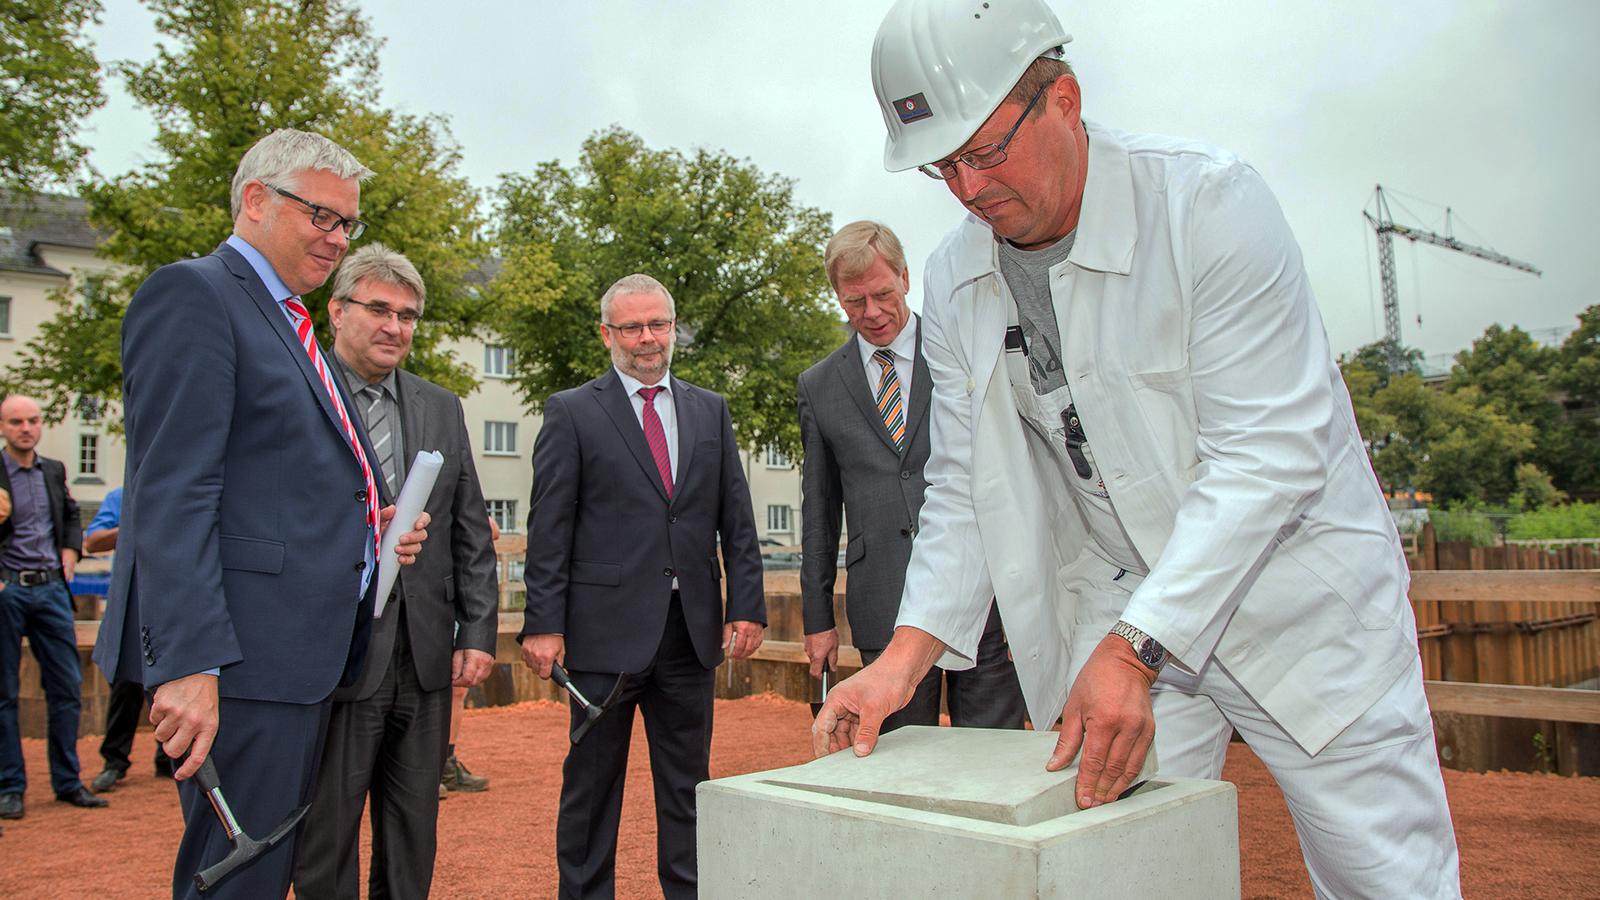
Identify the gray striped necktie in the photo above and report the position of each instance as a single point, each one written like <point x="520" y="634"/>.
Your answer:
<point x="381" y="431"/>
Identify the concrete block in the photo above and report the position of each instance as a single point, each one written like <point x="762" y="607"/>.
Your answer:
<point x="964" y="813"/>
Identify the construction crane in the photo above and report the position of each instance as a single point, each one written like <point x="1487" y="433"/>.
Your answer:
<point x="1383" y="223"/>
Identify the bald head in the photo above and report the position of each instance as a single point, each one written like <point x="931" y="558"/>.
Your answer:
<point x="21" y="422"/>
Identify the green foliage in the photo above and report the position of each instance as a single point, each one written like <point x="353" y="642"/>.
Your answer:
<point x="742" y="259"/>
<point x="77" y="353"/>
<point x="232" y="72"/>
<point x="1465" y="523"/>
<point x="49" y="80"/>
<point x="1374" y="357"/>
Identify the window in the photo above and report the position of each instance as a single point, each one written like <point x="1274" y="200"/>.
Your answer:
<point x="88" y="454"/>
<point x="504" y="514"/>
<point x="498" y="361"/>
<point x="779" y="517"/>
<point x="5" y="316"/>
<point x="500" y="438"/>
<point x="777" y="459"/>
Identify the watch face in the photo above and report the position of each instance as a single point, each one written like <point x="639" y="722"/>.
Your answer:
<point x="1151" y="653"/>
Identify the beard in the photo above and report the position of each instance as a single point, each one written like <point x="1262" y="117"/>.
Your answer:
<point x="648" y="370"/>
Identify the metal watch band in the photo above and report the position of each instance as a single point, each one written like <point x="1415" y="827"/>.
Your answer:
<point x="1147" y="648"/>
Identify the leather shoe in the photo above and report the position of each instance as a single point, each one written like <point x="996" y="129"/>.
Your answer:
<point x="82" y="798"/>
<point x="107" y="779"/>
<point x="11" y="806"/>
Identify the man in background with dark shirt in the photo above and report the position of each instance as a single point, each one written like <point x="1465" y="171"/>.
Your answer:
<point x="39" y="546"/>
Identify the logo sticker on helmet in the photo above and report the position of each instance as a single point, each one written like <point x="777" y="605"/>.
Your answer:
<point x="913" y="109"/>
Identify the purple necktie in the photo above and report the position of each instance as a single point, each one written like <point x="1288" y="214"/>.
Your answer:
<point x="657" y="436"/>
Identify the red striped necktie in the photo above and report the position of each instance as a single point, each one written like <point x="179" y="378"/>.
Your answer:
<point x="657" y="436"/>
<point x="302" y="328"/>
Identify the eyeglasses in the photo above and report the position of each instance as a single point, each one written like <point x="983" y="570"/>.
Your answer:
<point x="986" y="157"/>
<point x="325" y="218"/>
<point x="381" y="314"/>
<point x="658" y="328"/>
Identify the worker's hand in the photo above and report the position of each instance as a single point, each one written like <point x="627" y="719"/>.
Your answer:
<point x="5" y="504"/>
<point x="1108" y="715"/>
<point x="184" y="712"/>
<point x="410" y="542"/>
<point x="468" y="668"/>
<point x="741" y="639"/>
<point x="540" y="650"/>
<point x="69" y="563"/>
<point x="853" y="714"/>
<point x="822" y="649"/>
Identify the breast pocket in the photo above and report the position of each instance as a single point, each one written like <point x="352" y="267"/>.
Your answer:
<point x="1165" y="403"/>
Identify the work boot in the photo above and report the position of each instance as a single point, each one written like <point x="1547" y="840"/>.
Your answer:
<point x="444" y="792"/>
<point x="456" y="778"/>
<point x="107" y="779"/>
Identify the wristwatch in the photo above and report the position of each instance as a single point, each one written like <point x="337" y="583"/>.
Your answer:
<point x="1147" y="648"/>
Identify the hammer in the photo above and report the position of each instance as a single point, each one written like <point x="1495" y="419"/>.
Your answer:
<point x="591" y="713"/>
<point x="244" y="848"/>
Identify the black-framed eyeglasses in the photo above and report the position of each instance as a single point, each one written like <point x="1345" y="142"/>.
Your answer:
<point x="659" y="328"/>
<point x="382" y="313"/>
<point x="325" y="218"/>
<point x="986" y="157"/>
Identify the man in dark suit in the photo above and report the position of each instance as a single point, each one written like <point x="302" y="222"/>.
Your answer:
<point x="866" y="442"/>
<point x="635" y="475"/>
<point x="386" y="735"/>
<point x="245" y="592"/>
<point x="40" y="542"/>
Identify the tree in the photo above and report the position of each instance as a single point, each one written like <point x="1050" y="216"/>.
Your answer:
<point x="49" y="80"/>
<point x="1455" y="445"/>
<point x="1576" y="370"/>
<point x="1375" y="358"/>
<point x="1507" y="368"/>
<point x="236" y="70"/>
<point x="742" y="259"/>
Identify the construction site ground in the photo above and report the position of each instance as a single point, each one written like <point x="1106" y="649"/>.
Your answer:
<point x="1521" y="836"/>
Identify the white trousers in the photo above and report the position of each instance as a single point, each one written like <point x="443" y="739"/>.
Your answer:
<point x="1370" y="808"/>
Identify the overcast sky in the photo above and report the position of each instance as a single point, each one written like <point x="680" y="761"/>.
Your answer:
<point x="1488" y="107"/>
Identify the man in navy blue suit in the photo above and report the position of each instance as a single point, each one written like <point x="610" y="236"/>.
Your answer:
<point x="635" y="476"/>
<point x="245" y="593"/>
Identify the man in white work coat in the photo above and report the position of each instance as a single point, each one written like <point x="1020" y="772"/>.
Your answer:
<point x="1142" y="448"/>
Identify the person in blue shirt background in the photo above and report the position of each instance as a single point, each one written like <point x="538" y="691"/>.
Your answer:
<point x="127" y="697"/>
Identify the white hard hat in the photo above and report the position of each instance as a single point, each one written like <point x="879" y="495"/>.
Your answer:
<point x="940" y="68"/>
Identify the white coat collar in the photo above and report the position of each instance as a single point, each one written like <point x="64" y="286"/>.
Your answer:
<point x="1108" y="229"/>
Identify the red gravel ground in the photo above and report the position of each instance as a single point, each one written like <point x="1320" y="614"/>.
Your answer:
<point x="1521" y="836"/>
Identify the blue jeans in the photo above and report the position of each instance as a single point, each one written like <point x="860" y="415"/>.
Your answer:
<point x="42" y="614"/>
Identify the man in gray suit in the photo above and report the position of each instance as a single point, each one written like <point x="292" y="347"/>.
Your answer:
<point x="866" y="441"/>
<point x="386" y="737"/>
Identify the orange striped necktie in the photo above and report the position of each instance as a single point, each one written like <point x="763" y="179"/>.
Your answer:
<point x="302" y="329"/>
<point x="890" y="405"/>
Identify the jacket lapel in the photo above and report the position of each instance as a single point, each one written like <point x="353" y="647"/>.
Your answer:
<point x="413" y="417"/>
<point x="847" y="362"/>
<point x="921" y="390"/>
<point x="257" y="292"/>
<point x="614" y="399"/>
<point x="689" y="422"/>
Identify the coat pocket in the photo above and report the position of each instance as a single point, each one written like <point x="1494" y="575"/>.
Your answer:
<point x="250" y="554"/>
<point x="601" y="573"/>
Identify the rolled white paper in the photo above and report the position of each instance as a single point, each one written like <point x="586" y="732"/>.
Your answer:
<point x="407" y="508"/>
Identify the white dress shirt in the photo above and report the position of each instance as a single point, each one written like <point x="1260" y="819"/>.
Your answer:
<point x="666" y="410"/>
<point x="904" y="346"/>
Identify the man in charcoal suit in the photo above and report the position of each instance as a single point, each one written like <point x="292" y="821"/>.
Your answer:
<point x="387" y="732"/>
<point x="866" y="441"/>
<point x="636" y="475"/>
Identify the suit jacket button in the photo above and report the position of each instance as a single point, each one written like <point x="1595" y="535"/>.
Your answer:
<point x="905" y="532"/>
<point x="361" y="495"/>
<point x="361" y="565"/>
<point x="667" y="571"/>
<point x="672" y="520"/>
<point x="905" y="473"/>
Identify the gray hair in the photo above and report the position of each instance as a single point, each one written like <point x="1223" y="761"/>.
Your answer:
<point x="851" y="252"/>
<point x="635" y="284"/>
<point x="281" y="156"/>
<point x="375" y="262"/>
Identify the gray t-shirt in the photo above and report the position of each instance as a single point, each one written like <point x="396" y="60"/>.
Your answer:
<point x="1027" y="273"/>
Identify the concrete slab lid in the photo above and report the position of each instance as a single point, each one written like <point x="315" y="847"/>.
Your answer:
<point x="976" y="773"/>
